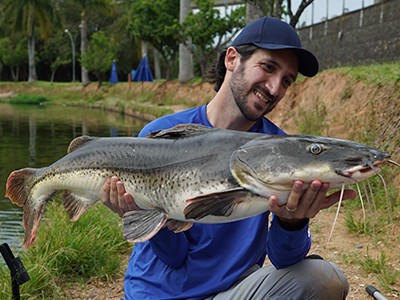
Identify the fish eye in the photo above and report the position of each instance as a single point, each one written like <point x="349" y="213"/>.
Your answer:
<point x="315" y="148"/>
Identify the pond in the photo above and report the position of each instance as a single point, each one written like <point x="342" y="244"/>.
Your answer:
<point x="36" y="136"/>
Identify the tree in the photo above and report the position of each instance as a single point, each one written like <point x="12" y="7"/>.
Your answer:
<point x="157" y="22"/>
<point x="85" y="6"/>
<point x="26" y="15"/>
<point x="13" y="54"/>
<point x="295" y="17"/>
<point x="56" y="52"/>
<point x="275" y="8"/>
<point x="210" y="31"/>
<point x="99" y="56"/>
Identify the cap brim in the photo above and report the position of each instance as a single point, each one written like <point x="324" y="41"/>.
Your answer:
<point x="308" y="63"/>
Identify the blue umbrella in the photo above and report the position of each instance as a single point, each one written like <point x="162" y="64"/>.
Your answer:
<point x="114" y="75"/>
<point x="143" y="72"/>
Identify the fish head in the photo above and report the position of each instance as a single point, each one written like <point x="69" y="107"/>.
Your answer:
<point x="269" y="165"/>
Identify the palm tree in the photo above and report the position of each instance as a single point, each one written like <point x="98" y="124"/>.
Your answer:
<point x="85" y="6"/>
<point x="26" y="15"/>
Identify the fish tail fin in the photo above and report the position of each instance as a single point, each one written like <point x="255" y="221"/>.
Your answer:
<point x="142" y="225"/>
<point x="18" y="189"/>
<point x="75" y="205"/>
<point x="16" y="185"/>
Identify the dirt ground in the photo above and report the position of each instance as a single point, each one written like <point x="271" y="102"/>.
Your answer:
<point x="350" y="107"/>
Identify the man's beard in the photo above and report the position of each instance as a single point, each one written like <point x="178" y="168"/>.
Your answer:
<point x="240" y="93"/>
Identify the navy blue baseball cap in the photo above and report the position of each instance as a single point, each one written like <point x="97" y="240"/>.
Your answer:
<point x="273" y="34"/>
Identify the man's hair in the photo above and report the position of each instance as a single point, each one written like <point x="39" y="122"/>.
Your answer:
<point x="217" y="71"/>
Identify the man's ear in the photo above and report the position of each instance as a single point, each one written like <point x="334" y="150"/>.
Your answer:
<point x="232" y="58"/>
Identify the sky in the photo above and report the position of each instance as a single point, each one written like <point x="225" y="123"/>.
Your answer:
<point x="335" y="8"/>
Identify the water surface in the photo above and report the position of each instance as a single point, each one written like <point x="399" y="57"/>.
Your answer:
<point x="36" y="136"/>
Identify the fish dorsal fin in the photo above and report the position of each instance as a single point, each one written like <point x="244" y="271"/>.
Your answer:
<point x="79" y="141"/>
<point x="181" y="131"/>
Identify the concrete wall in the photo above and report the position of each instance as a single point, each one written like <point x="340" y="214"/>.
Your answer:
<point x="371" y="35"/>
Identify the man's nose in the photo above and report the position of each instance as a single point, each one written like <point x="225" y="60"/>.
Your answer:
<point x="273" y="86"/>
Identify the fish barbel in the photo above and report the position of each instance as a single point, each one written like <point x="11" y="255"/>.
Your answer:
<point x="187" y="174"/>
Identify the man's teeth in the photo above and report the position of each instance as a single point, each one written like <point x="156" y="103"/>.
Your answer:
<point x="259" y="95"/>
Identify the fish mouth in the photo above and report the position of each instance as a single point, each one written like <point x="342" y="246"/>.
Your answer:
<point x="362" y="171"/>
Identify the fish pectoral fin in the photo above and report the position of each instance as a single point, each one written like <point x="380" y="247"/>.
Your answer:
<point x="178" y="226"/>
<point x="142" y="225"/>
<point x="216" y="204"/>
<point x="75" y="205"/>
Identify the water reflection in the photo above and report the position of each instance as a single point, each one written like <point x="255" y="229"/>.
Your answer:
<point x="36" y="136"/>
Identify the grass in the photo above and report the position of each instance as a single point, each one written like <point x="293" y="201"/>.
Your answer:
<point x="67" y="251"/>
<point x="379" y="266"/>
<point x="29" y="99"/>
<point x="312" y="121"/>
<point x="375" y="74"/>
<point x="93" y="246"/>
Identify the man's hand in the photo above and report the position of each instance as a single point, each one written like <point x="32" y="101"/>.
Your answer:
<point x="305" y="203"/>
<point x="116" y="198"/>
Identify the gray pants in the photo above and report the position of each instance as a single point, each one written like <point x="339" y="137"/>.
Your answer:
<point x="309" y="279"/>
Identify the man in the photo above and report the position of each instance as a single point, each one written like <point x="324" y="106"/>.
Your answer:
<point x="225" y="261"/>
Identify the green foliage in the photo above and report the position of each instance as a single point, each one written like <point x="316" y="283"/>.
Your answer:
<point x="12" y="52"/>
<point x="25" y="15"/>
<point x="29" y="99"/>
<point x="157" y="22"/>
<point x="56" y="51"/>
<point x="376" y="74"/>
<point x="100" y="54"/>
<point x="65" y="251"/>
<point x="209" y="31"/>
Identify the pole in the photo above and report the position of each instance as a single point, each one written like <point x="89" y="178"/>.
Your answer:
<point x="73" y="53"/>
<point x="372" y="291"/>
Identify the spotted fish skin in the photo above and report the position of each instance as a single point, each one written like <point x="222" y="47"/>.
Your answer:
<point x="185" y="174"/>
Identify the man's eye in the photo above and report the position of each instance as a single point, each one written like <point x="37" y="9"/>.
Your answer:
<point x="267" y="67"/>
<point x="287" y="82"/>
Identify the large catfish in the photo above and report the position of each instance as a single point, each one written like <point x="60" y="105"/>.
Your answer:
<point x="187" y="174"/>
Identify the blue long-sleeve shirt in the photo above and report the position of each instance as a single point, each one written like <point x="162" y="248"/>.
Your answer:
<point x="208" y="258"/>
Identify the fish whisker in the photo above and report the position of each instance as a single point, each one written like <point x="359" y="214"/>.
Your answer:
<point x="337" y="212"/>
<point x="361" y="201"/>
<point x="371" y="212"/>
<point x="372" y="166"/>
<point x="387" y="197"/>
<point x="393" y="162"/>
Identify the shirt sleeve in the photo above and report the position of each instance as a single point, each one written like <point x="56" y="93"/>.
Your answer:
<point x="285" y="248"/>
<point x="172" y="248"/>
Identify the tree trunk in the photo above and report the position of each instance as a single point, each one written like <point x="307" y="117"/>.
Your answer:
<point x="255" y="9"/>
<point x="185" y="49"/>
<point x="31" y="58"/>
<point x="53" y="73"/>
<point x="145" y="48"/>
<point x="277" y="12"/>
<point x="14" y="73"/>
<point x="157" y="66"/>
<point x="83" y="26"/>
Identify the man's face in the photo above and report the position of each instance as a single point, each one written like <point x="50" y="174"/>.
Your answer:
<point x="260" y="82"/>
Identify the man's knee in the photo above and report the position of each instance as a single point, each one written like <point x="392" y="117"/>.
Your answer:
<point x="321" y="279"/>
